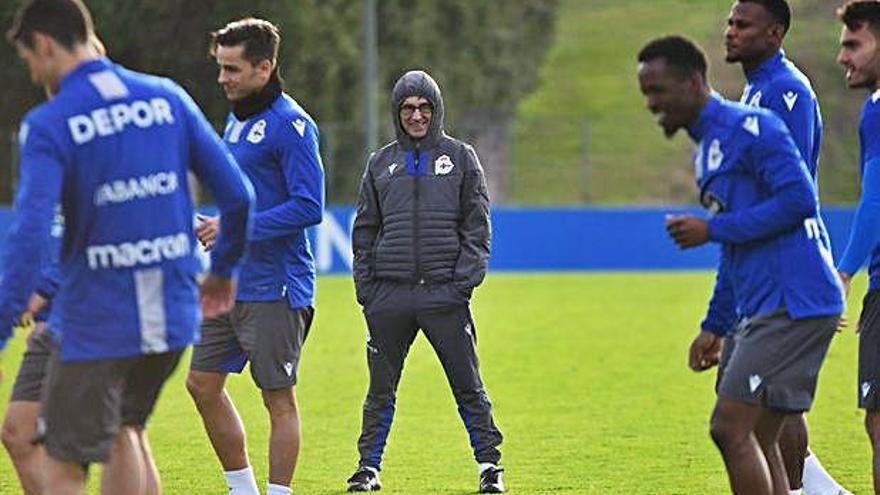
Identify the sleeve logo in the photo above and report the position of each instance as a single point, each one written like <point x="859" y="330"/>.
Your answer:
<point x="790" y="99"/>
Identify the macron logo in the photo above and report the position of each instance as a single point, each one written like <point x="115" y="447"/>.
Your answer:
<point x="754" y="383"/>
<point x="790" y="99"/>
<point x="751" y="125"/>
<point x="300" y="126"/>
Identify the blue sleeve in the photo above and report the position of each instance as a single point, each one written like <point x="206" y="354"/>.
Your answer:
<point x="39" y="190"/>
<point x="214" y="165"/>
<point x="49" y="281"/>
<point x="794" y="105"/>
<point x="721" y="316"/>
<point x="300" y="162"/>
<point x="50" y="275"/>
<point x="790" y="196"/>
<point x="863" y="237"/>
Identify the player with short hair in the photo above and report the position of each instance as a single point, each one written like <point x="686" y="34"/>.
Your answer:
<point x="860" y="55"/>
<point x="127" y="303"/>
<point x="762" y="205"/>
<point x="275" y="142"/>
<point x="753" y="38"/>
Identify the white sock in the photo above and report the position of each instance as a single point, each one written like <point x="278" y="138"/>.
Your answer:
<point x="485" y="465"/>
<point x="242" y="482"/>
<point x="794" y="492"/>
<point x="817" y="481"/>
<point x="273" y="489"/>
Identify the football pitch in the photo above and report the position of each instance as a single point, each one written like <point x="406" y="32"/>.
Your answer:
<point x="587" y="373"/>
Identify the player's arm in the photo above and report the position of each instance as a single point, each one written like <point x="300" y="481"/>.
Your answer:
<point x="474" y="231"/>
<point x="721" y="315"/>
<point x="214" y="166"/>
<point x="794" y="105"/>
<point x="720" y="319"/>
<point x="39" y="191"/>
<point x="367" y="222"/>
<point x="300" y="162"/>
<point x="790" y="199"/>
<point x="864" y="235"/>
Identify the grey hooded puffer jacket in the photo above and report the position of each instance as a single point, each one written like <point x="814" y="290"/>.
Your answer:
<point x="423" y="206"/>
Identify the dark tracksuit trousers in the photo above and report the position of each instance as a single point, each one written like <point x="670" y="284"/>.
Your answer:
<point x="395" y="312"/>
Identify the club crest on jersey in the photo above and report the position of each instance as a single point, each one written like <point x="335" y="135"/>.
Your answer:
<point x="716" y="156"/>
<point x="257" y="132"/>
<point x="443" y="165"/>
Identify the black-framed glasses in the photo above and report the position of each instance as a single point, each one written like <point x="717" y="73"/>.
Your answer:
<point x="407" y="110"/>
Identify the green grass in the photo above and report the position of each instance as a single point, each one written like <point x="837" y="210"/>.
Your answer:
<point x="587" y="373"/>
<point x="589" y="78"/>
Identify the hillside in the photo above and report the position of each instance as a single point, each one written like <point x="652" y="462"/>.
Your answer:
<point x="588" y="93"/>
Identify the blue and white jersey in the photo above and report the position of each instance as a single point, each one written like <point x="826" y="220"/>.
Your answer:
<point x="763" y="211"/>
<point x="50" y="269"/>
<point x="780" y="87"/>
<point x="114" y="148"/>
<point x="278" y="150"/>
<point x="864" y="239"/>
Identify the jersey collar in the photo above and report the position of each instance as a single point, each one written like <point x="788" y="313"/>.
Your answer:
<point x="701" y="127"/>
<point x="86" y="67"/>
<point x="766" y="68"/>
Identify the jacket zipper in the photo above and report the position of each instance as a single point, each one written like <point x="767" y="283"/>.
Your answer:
<point x="416" y="241"/>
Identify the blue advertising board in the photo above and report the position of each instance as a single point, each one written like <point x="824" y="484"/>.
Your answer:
<point x="559" y="239"/>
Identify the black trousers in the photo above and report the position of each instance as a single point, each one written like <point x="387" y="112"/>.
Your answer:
<point x="395" y="313"/>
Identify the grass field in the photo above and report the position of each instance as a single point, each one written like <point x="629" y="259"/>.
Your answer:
<point x="587" y="373"/>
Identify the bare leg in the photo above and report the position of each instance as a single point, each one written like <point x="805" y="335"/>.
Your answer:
<point x="285" y="436"/>
<point x="732" y="429"/>
<point x="19" y="430"/>
<point x="63" y="478"/>
<point x="221" y="419"/>
<point x="767" y="432"/>
<point x="125" y="472"/>
<point x="793" y="443"/>
<point x="872" y="424"/>
<point x="153" y="483"/>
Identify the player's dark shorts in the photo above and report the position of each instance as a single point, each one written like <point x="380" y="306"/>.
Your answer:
<point x="869" y="352"/>
<point x="726" y="351"/>
<point x="87" y="402"/>
<point x="31" y="376"/>
<point x="775" y="361"/>
<point x="268" y="334"/>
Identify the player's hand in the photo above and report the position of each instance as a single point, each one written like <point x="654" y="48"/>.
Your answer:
<point x="36" y="303"/>
<point x="705" y="351"/>
<point x="207" y="230"/>
<point x="845" y="281"/>
<point x="843" y="322"/>
<point x="217" y="295"/>
<point x="687" y="231"/>
<point x="25" y="323"/>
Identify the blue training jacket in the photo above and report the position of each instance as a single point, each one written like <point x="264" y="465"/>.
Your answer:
<point x="114" y="148"/>
<point x="779" y="86"/>
<point x="278" y="150"/>
<point x="763" y="207"/>
<point x="864" y="238"/>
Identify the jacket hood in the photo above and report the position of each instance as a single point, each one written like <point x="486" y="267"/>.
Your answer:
<point x="417" y="83"/>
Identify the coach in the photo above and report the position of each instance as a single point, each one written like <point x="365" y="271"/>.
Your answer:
<point x="421" y="246"/>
